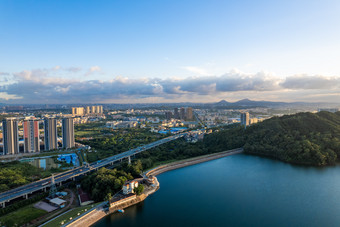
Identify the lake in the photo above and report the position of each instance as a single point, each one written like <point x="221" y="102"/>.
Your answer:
<point x="239" y="190"/>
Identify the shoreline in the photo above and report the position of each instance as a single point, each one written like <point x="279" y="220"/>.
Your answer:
<point x="98" y="213"/>
<point x="192" y="161"/>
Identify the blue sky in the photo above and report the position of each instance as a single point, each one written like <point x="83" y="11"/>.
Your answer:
<point x="169" y="50"/>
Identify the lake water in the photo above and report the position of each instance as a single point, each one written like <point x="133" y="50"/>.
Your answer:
<point x="239" y="190"/>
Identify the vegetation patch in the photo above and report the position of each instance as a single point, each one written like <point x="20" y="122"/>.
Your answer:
<point x="106" y="181"/>
<point x="107" y="142"/>
<point x="21" y="216"/>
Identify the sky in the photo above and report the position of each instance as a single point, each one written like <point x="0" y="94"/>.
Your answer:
<point x="124" y="51"/>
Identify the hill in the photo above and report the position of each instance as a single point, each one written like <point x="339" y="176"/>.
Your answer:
<point x="303" y="138"/>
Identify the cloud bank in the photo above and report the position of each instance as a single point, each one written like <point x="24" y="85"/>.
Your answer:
<point x="62" y="85"/>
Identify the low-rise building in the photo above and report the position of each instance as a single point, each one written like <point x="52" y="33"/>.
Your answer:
<point x="129" y="187"/>
<point x="121" y="124"/>
<point x="58" y="202"/>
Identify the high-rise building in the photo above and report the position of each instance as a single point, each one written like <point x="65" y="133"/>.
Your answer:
<point x="245" y="119"/>
<point x="168" y="115"/>
<point x="68" y="132"/>
<point x="10" y="136"/>
<point x="93" y="109"/>
<point x="176" y="113"/>
<point x="78" y="111"/>
<point x="97" y="109"/>
<point x="88" y="110"/>
<point x="182" y="113"/>
<point x="189" y="113"/>
<point x="31" y="136"/>
<point x="51" y="136"/>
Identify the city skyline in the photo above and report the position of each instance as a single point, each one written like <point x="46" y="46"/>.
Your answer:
<point x="153" y="52"/>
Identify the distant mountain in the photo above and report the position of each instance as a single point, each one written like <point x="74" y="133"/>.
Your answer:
<point x="249" y="103"/>
<point x="222" y="103"/>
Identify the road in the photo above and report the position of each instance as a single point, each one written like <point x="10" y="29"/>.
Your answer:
<point x="42" y="184"/>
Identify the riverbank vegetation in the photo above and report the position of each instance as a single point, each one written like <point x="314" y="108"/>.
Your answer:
<point x="303" y="138"/>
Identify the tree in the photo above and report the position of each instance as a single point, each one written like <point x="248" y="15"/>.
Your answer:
<point x="108" y="197"/>
<point x="139" y="190"/>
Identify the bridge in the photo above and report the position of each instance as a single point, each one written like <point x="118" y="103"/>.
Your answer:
<point x="25" y="190"/>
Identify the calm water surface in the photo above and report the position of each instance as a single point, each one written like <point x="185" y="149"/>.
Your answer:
<point x="239" y="190"/>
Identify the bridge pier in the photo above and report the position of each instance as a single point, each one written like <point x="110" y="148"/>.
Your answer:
<point x="26" y="196"/>
<point x="3" y="204"/>
<point x="129" y="158"/>
<point x="44" y="189"/>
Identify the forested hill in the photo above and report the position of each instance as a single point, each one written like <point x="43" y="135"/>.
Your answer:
<point x="303" y="138"/>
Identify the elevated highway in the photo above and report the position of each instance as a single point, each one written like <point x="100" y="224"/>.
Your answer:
<point x="43" y="184"/>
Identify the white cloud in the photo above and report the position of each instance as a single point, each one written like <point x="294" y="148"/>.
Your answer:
<point x="43" y="86"/>
<point x="95" y="68"/>
<point x="303" y="81"/>
<point x="196" y="70"/>
<point x="57" y="67"/>
<point x="6" y="96"/>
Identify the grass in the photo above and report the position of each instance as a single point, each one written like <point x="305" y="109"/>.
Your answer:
<point x="89" y="129"/>
<point x="22" y="216"/>
<point x="73" y="213"/>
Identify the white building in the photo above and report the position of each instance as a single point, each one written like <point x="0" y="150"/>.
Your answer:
<point x="121" y="124"/>
<point x="129" y="187"/>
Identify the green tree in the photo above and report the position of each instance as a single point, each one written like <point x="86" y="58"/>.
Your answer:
<point x="108" y="197"/>
<point x="139" y="190"/>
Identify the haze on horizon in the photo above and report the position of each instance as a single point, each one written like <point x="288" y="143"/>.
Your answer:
<point x="169" y="51"/>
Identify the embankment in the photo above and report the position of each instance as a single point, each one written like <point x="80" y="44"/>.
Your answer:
<point x="192" y="161"/>
<point x="98" y="213"/>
